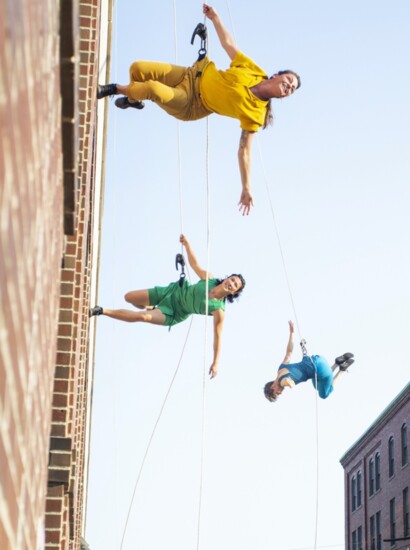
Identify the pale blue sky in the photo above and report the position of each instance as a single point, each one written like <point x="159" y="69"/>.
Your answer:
<point x="338" y="168"/>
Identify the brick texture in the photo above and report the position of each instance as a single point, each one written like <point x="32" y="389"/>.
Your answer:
<point x="47" y="165"/>
<point x="31" y="245"/>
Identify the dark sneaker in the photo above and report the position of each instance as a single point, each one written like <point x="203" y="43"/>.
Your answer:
<point x="104" y="90"/>
<point x="124" y="103"/>
<point x="344" y="366"/>
<point x="96" y="310"/>
<point x="343" y="358"/>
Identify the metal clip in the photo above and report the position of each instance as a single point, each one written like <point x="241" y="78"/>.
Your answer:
<point x="180" y="260"/>
<point x="201" y="31"/>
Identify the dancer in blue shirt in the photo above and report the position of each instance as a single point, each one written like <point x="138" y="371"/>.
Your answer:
<point x="314" y="367"/>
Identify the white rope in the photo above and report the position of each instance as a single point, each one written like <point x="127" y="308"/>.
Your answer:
<point x="279" y="243"/>
<point x="317" y="461"/>
<point x="300" y="338"/>
<point x="205" y="365"/>
<point x="190" y="324"/>
<point x="153" y="433"/>
<point x="293" y="307"/>
<point x="181" y="213"/>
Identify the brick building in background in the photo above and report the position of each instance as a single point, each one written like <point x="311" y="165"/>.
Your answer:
<point x="377" y="482"/>
<point x="52" y="144"/>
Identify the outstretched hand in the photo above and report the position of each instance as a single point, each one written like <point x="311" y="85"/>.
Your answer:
<point x="245" y="203"/>
<point x="209" y="11"/>
<point x="213" y="371"/>
<point x="183" y="240"/>
<point x="291" y="327"/>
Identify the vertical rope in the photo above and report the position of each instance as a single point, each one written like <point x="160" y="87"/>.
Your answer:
<point x="153" y="433"/>
<point x="204" y="370"/>
<point x="300" y="337"/>
<point x="317" y="462"/>
<point x="231" y="20"/>
<point x="279" y="243"/>
<point x="180" y="189"/>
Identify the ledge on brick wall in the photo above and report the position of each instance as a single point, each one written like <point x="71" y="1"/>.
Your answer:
<point x="60" y="462"/>
<point x="69" y="83"/>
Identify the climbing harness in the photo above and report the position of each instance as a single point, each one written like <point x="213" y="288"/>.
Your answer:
<point x="201" y="31"/>
<point x="303" y="346"/>
<point x="180" y="260"/>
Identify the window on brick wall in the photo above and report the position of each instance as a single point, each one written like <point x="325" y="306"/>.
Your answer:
<point x="371" y="477"/>
<point x="406" y="519"/>
<point x="354" y="494"/>
<point x="377" y="470"/>
<point x="404" y="451"/>
<point x="392" y="521"/>
<point x="378" y="531"/>
<point x="372" y="532"/>
<point x="359" y="488"/>
<point x="391" y="456"/>
<point x="354" y="540"/>
<point x="359" y="538"/>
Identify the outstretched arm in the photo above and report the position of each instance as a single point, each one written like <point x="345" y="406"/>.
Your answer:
<point x="192" y="259"/>
<point x="244" y="159"/>
<point x="289" y="349"/>
<point x="226" y="39"/>
<point x="219" y="317"/>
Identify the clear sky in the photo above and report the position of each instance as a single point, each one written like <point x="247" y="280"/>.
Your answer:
<point x="337" y="164"/>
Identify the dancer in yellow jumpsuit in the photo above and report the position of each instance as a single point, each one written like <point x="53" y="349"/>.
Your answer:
<point x="243" y="92"/>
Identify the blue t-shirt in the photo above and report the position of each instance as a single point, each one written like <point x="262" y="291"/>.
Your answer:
<point x="305" y="370"/>
<point x="299" y="372"/>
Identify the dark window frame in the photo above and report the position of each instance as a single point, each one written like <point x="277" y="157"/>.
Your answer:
<point x="392" y="508"/>
<point x="378" y="531"/>
<point x="354" y="540"/>
<point x="372" y="533"/>
<point x="377" y="471"/>
<point x="404" y="445"/>
<point x="371" y="477"/>
<point x="359" y="538"/>
<point x="391" y="456"/>
<point x="354" y="493"/>
<point x="406" y="515"/>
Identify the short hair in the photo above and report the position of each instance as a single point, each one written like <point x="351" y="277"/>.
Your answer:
<point x="269" y="392"/>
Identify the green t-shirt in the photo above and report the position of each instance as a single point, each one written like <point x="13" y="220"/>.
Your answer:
<point x="178" y="303"/>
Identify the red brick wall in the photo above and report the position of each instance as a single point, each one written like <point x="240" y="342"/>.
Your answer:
<point x="376" y="441"/>
<point x="68" y="431"/>
<point x="47" y="160"/>
<point x="31" y="241"/>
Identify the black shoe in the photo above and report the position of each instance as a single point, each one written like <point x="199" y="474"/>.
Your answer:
<point x="124" y="103"/>
<point x="96" y="310"/>
<point x="343" y="358"/>
<point x="344" y="366"/>
<point x="104" y="90"/>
